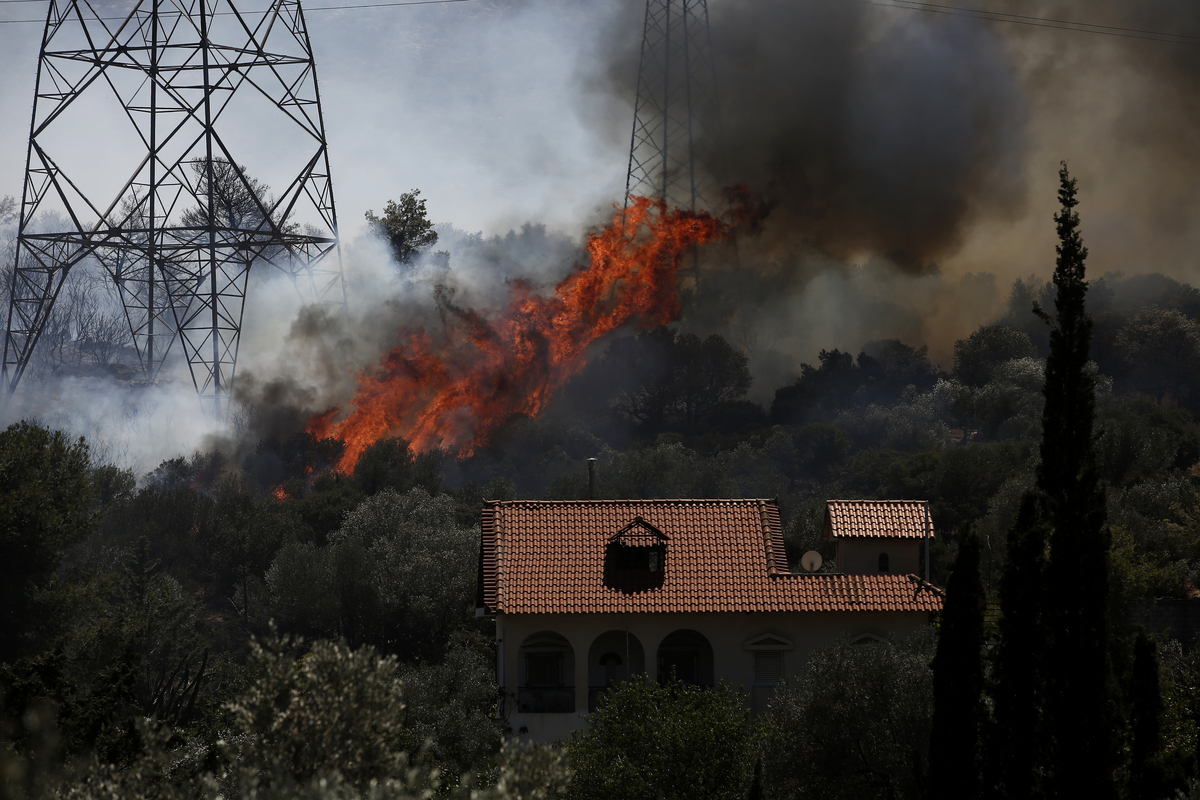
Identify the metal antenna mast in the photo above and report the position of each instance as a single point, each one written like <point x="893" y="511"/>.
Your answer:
<point x="142" y="121"/>
<point x="676" y="105"/>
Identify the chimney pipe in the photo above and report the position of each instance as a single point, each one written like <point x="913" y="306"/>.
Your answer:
<point x="591" y="478"/>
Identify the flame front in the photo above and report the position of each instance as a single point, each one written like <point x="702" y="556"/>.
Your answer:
<point x="457" y="394"/>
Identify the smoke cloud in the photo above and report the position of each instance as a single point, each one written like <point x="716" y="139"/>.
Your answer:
<point x="868" y="132"/>
<point x="910" y="162"/>
<point x="1124" y="112"/>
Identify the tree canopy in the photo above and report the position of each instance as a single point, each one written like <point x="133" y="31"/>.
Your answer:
<point x="46" y="505"/>
<point x="405" y="225"/>
<point x="977" y="357"/>
<point x="647" y="741"/>
<point x="856" y="723"/>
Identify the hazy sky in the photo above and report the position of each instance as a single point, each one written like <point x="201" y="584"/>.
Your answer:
<point x="476" y="104"/>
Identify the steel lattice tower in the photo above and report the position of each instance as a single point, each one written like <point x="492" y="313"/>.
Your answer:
<point x="676" y="107"/>
<point x="175" y="219"/>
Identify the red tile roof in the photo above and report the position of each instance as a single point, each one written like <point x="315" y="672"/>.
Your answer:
<point x="876" y="519"/>
<point x="549" y="557"/>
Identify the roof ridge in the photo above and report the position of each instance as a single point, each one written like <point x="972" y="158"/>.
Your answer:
<point x="875" y="501"/>
<point x="660" y="500"/>
<point x="885" y="577"/>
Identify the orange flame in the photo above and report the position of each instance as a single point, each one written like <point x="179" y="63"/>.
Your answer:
<point x="457" y="394"/>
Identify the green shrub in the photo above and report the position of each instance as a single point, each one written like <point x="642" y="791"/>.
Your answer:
<point x="674" y="741"/>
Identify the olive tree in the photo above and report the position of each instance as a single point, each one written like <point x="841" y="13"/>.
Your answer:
<point x="856" y="724"/>
<point x="977" y="357"/>
<point x="1162" y="352"/>
<point x="674" y="741"/>
<point x="399" y="574"/>
<point x="46" y="504"/>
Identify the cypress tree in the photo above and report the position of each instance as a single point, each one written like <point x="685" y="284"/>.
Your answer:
<point x="1145" y="773"/>
<point x="958" y="681"/>
<point x="1013" y="763"/>
<point x="1079" y="710"/>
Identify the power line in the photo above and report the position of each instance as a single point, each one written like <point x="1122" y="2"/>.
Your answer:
<point x="1043" y="22"/>
<point x="1048" y="19"/>
<point x="385" y="5"/>
<point x="910" y="5"/>
<point x="245" y="13"/>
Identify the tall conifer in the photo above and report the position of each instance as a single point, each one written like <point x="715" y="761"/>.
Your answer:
<point x="1015" y="751"/>
<point x="1145" y="767"/>
<point x="958" y="681"/>
<point x="1079" y="709"/>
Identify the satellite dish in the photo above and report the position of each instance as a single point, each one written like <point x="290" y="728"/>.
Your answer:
<point x="811" y="561"/>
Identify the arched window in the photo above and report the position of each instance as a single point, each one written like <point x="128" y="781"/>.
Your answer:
<point x="883" y="563"/>
<point x="613" y="657"/>
<point x="686" y="656"/>
<point x="547" y="665"/>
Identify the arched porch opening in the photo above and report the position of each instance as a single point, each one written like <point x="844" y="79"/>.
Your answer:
<point x="688" y="656"/>
<point x="547" y="675"/>
<point x="613" y="657"/>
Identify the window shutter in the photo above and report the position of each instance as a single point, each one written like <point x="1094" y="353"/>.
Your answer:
<point x="768" y="668"/>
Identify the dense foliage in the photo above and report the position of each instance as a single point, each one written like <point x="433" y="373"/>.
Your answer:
<point x="405" y="226"/>
<point x="855" y="724"/>
<point x="674" y="741"/>
<point x="255" y="623"/>
<point x="45" y="506"/>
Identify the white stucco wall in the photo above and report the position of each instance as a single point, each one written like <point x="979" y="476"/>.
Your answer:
<point x="726" y="632"/>
<point x="861" y="556"/>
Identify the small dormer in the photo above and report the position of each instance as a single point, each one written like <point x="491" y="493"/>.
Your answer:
<point x="876" y="537"/>
<point x="635" y="557"/>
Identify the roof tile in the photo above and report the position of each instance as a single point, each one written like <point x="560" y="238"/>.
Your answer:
<point x="876" y="519"/>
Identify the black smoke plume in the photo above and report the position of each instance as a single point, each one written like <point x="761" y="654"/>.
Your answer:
<point x="869" y="130"/>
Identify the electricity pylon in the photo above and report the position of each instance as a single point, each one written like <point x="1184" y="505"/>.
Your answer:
<point x="141" y="127"/>
<point x="675" y="111"/>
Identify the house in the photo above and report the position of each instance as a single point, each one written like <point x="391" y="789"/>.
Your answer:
<point x="878" y="535"/>
<point x="587" y="593"/>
